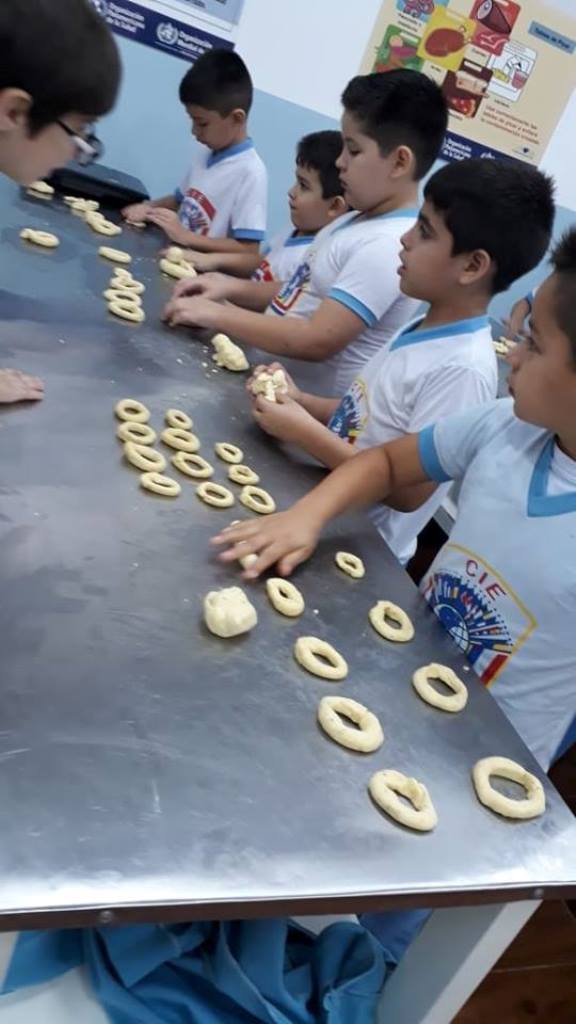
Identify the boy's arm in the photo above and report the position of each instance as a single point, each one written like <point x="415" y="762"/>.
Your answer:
<point x="288" y="420"/>
<point x="240" y="264"/>
<point x="140" y="211"/>
<point x="255" y="295"/>
<point x="167" y="220"/>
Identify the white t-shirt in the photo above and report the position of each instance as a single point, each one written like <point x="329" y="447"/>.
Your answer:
<point x="406" y="386"/>
<point x="504" y="585"/>
<point x="282" y="256"/>
<point x="354" y="262"/>
<point x="225" y="194"/>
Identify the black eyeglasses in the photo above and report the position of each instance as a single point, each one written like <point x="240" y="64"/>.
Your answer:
<point x="88" y="146"/>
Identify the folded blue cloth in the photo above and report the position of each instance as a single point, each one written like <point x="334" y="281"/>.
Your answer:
<point x="235" y="972"/>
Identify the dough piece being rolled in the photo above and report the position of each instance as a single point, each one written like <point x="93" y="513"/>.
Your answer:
<point x="228" y="612"/>
<point x="269" y="384"/>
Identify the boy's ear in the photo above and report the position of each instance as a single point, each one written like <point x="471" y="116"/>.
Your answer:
<point x="238" y="116"/>
<point x="477" y="266"/>
<point x="338" y="206"/>
<point x="403" y="162"/>
<point x="15" y="107"/>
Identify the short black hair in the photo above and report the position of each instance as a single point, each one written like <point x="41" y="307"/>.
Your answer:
<point x="220" y="81"/>
<point x="319" y="152"/>
<point x="400" y="108"/>
<point x="564" y="265"/>
<point x="504" y="207"/>
<point x="63" y="54"/>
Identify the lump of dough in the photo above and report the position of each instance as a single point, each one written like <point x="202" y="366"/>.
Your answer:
<point x="227" y="354"/>
<point x="228" y="612"/>
<point x="269" y="384"/>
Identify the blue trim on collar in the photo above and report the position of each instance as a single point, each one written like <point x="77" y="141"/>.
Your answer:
<point x="539" y="502"/>
<point x="299" y="240"/>
<point x="412" y="336"/>
<point x="392" y="215"/>
<point x="224" y="154"/>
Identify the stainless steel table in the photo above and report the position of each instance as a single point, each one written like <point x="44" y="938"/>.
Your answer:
<point x="150" y="771"/>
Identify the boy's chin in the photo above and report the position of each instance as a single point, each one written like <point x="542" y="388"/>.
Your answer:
<point x="408" y="288"/>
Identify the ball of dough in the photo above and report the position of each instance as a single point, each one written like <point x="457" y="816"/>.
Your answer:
<point x="269" y="384"/>
<point x="228" y="612"/>
<point x="228" y="355"/>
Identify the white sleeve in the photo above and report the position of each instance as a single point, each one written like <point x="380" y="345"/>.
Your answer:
<point x="447" y="448"/>
<point x="456" y="388"/>
<point x="248" y="219"/>
<point x="367" y="283"/>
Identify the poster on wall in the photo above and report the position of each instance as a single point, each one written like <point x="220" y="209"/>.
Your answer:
<point x="183" y="28"/>
<point x="507" y="68"/>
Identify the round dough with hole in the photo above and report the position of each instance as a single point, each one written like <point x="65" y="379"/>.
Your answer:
<point x="192" y="465"/>
<point x="45" y="239"/>
<point x="320" y="658"/>
<point x="366" y="737"/>
<point x="133" y="410"/>
<point x="505" y="768"/>
<point x="228" y="452"/>
<point x="454" y="701"/>
<point x="126" y="310"/>
<point x="140" y="433"/>
<point x="114" y="255"/>
<point x="174" y="254"/>
<point x="399" y="633"/>
<point x="228" y="612"/>
<point x="284" y="596"/>
<point x="243" y="475"/>
<point x="121" y="274"/>
<point x="134" y="288"/>
<point x="386" y="788"/>
<point x="181" y="440"/>
<point x="350" y="564"/>
<point x="215" y="494"/>
<point x="257" y="499"/>
<point x="144" y="457"/>
<point x="177" y="270"/>
<point x="159" y="484"/>
<point x="178" y="419"/>
<point x="121" y="294"/>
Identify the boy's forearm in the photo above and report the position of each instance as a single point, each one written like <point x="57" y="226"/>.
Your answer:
<point x="322" y="444"/>
<point x="359" y="481"/>
<point x="281" y="336"/>
<point x="247" y="295"/>
<point x="322" y="409"/>
<point x="224" y="245"/>
<point x="242" y="264"/>
<point x="164" y="203"/>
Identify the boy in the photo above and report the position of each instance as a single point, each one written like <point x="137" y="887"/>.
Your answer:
<point x="49" y="95"/>
<point x="460" y="253"/>
<point x="221" y="204"/>
<point x="344" y="301"/>
<point x="315" y="200"/>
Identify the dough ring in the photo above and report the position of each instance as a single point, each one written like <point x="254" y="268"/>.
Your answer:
<point x="128" y="284"/>
<point x="243" y="475"/>
<point x="258" y="500"/>
<point x="125" y="309"/>
<point x="140" y="433"/>
<point x="313" y="654"/>
<point x="121" y="274"/>
<point x="177" y="418"/>
<point x="228" y="452"/>
<point x="402" y="632"/>
<point x="159" y="484"/>
<point x="133" y="410"/>
<point x="192" y="465"/>
<point x="44" y="238"/>
<point x="366" y="738"/>
<point x="455" y="701"/>
<point x="531" y="807"/>
<point x="215" y="494"/>
<point x="121" y="294"/>
<point x="284" y="596"/>
<point x="228" y="612"/>
<point x="174" y="254"/>
<point x="181" y="440"/>
<point x="144" y="458"/>
<point x="384" y="788"/>
<point x="41" y="188"/>
<point x="115" y="255"/>
<point x="350" y="564"/>
<point x="101" y="226"/>
<point x="177" y="270"/>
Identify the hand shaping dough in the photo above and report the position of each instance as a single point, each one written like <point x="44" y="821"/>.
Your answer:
<point x="228" y="612"/>
<point x="531" y="807"/>
<point x="133" y="410"/>
<point x="177" y="418"/>
<point x="284" y="596"/>
<point x="177" y="270"/>
<point x="126" y="309"/>
<point x="215" y="494"/>
<point x="258" y="500"/>
<point x="42" y="238"/>
<point x="320" y="658"/>
<point x="366" y="738"/>
<point x="115" y="255"/>
<point x="192" y="465"/>
<point x="269" y="384"/>
<point x="144" y="458"/>
<point x="159" y="484"/>
<point x="350" y="564"/>
<point x="181" y="440"/>
<point x="228" y="355"/>
<point x="140" y="433"/>
<point x="41" y="188"/>
<point x="384" y="788"/>
<point x="401" y="633"/>
<point x="228" y="452"/>
<point x="242" y="475"/>
<point x="455" y="701"/>
<point x="247" y="560"/>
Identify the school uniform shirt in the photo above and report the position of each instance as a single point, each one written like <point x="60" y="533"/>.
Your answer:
<point x="280" y="259"/>
<point x="504" y="585"/>
<point x="225" y="194"/>
<point x="411" y="382"/>
<point x="354" y="262"/>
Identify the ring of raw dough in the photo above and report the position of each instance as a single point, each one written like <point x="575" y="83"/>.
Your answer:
<point x="366" y="738"/>
<point x="401" y="633"/>
<point x="215" y="494"/>
<point x="125" y="309"/>
<point x="159" y="484"/>
<point x="192" y="465"/>
<point x="144" y="458"/>
<point x="257" y="499"/>
<point x="41" y="188"/>
<point x="455" y="701"/>
<point x="177" y="418"/>
<point x="228" y="452"/>
<point x="101" y="226"/>
<point x="384" y="787"/>
<point x="284" y="597"/>
<point x="350" y="564"/>
<point x="133" y="410"/>
<point x="531" y="807"/>
<point x="44" y="238"/>
<point x="140" y="433"/>
<point x="174" y="254"/>
<point x="115" y="255"/>
<point x="243" y="475"/>
<point x="177" y="270"/>
<point x="181" y="440"/>
<point x="309" y="650"/>
<point x="121" y="274"/>
<point x="122" y="294"/>
<point x="128" y="284"/>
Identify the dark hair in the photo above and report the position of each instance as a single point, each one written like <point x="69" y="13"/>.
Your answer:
<point x="503" y="207"/>
<point x="564" y="264"/>
<point x="220" y="81"/>
<point x="63" y="54"/>
<point x="400" y="108"/>
<point x="319" y="152"/>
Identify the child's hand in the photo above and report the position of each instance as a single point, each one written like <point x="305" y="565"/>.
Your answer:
<point x="203" y="262"/>
<point x="169" y="222"/>
<point x="137" y="212"/>
<point x="212" y="286"/>
<point x="192" y="312"/>
<point x="283" y="419"/>
<point x="292" y="391"/>
<point x="16" y="386"/>
<point x="287" y="538"/>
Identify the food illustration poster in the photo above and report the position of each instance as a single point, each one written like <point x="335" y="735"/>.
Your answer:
<point x="506" y="67"/>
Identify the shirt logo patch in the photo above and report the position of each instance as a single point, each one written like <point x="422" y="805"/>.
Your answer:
<point x="263" y="272"/>
<point x="351" y="416"/>
<point x="293" y="289"/>
<point x="196" y="212"/>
